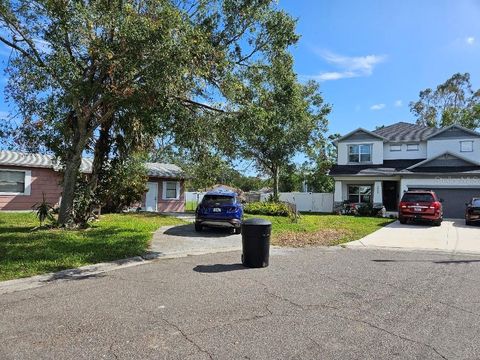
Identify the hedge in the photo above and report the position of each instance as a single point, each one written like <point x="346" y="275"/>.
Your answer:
<point x="268" y="208"/>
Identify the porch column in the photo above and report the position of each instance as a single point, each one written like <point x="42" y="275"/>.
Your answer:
<point x="338" y="197"/>
<point x="377" y="194"/>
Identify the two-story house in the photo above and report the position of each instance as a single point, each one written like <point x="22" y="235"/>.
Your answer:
<point x="378" y="166"/>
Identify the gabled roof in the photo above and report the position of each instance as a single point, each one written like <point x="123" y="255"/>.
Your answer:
<point x="404" y="132"/>
<point x="447" y="155"/>
<point x="454" y="126"/>
<point x="371" y="133"/>
<point x="15" y="158"/>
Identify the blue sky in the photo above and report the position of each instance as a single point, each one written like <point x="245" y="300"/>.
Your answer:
<point x="373" y="57"/>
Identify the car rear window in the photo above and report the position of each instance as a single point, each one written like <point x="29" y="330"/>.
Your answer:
<point x="210" y="200"/>
<point x="421" y="197"/>
<point x="476" y="202"/>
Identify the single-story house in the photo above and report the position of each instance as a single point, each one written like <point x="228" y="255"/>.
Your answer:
<point x="25" y="177"/>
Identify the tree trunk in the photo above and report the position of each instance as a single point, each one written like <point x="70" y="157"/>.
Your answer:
<point x="276" y="178"/>
<point x="73" y="161"/>
<point x="102" y="149"/>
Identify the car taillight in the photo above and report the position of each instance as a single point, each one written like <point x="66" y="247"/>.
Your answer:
<point x="437" y="205"/>
<point x="403" y="205"/>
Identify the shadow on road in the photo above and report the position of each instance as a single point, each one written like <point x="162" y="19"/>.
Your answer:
<point x="218" y="268"/>
<point x="188" y="230"/>
<point x="445" y="262"/>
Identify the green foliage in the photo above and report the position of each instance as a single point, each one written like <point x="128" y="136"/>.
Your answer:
<point x="26" y="253"/>
<point x="365" y="210"/>
<point x="131" y="71"/>
<point x="268" y="208"/>
<point x="281" y="116"/>
<point x="83" y="202"/>
<point x="125" y="186"/>
<point x="453" y="102"/>
<point x="207" y="169"/>
<point x="44" y="210"/>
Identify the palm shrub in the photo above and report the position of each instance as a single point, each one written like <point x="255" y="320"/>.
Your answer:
<point x="43" y="210"/>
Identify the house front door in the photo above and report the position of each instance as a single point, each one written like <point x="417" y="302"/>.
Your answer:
<point x="390" y="195"/>
<point x="151" y="197"/>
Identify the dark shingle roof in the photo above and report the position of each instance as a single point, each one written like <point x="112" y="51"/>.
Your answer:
<point x="403" y="131"/>
<point x="389" y="167"/>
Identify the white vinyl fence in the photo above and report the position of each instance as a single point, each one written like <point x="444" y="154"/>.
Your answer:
<point x="310" y="202"/>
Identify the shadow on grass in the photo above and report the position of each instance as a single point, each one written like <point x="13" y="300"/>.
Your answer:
<point x="218" y="268"/>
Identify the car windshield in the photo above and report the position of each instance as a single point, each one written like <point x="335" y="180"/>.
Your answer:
<point x="210" y="200"/>
<point x="476" y="202"/>
<point x="421" y="197"/>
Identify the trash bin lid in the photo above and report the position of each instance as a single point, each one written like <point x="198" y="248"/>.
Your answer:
<point x="257" y="221"/>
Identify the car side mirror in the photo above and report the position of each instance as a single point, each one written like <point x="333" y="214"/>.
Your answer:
<point x="441" y="200"/>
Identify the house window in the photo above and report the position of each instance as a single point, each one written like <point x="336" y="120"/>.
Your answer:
<point x="395" y="147"/>
<point x="171" y="190"/>
<point x="360" y="194"/>
<point x="360" y="153"/>
<point x="466" y="146"/>
<point x="13" y="182"/>
<point x="412" y="147"/>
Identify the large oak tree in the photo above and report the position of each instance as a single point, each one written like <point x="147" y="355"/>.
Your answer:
<point x="98" y="76"/>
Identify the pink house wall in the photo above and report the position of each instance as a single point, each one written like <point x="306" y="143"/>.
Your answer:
<point x="48" y="181"/>
<point x="42" y="181"/>
<point x="168" y="205"/>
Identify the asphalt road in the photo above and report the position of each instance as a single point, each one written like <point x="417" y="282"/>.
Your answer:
<point x="308" y="304"/>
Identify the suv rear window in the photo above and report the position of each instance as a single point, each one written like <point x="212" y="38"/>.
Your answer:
<point x="210" y="200"/>
<point x="418" y="197"/>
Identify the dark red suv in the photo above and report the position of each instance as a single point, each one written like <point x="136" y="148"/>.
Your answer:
<point x="420" y="205"/>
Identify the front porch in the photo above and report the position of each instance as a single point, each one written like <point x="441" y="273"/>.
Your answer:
<point x="380" y="192"/>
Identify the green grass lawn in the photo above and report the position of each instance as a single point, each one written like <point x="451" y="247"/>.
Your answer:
<point x="321" y="229"/>
<point x="24" y="252"/>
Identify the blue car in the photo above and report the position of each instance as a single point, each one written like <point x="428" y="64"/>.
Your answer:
<point x="219" y="208"/>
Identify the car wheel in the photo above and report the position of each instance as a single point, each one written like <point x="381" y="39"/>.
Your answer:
<point x="437" y="222"/>
<point x="468" y="223"/>
<point x="238" y="230"/>
<point x="402" y="220"/>
<point x="198" y="227"/>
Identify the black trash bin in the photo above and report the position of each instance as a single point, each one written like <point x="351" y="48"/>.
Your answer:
<point x="256" y="242"/>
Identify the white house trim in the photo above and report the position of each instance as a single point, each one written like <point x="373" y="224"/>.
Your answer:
<point x="357" y="130"/>
<point x="26" y="185"/>
<point x="164" y="190"/>
<point x="473" y="132"/>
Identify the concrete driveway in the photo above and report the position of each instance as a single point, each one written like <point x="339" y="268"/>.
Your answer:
<point x="312" y="303"/>
<point x="183" y="240"/>
<point x="452" y="236"/>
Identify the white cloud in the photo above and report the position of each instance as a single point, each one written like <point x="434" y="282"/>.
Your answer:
<point x="470" y="40"/>
<point x="377" y="107"/>
<point x="334" y="75"/>
<point x="350" y="66"/>
<point x="398" y="103"/>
